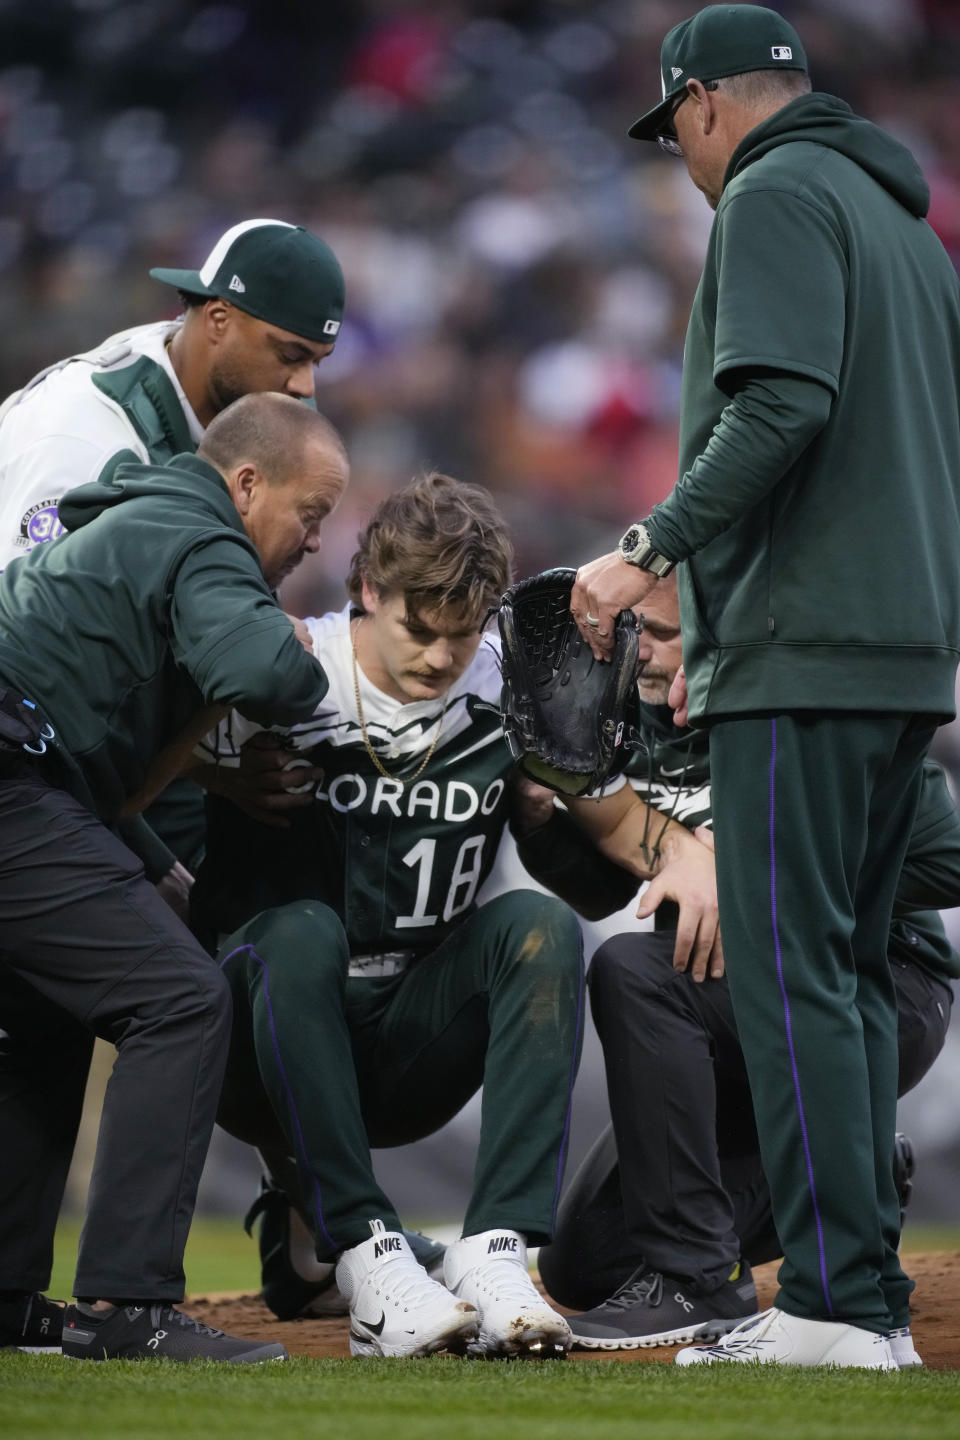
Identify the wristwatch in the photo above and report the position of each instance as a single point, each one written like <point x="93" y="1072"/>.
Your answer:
<point x="636" y="548"/>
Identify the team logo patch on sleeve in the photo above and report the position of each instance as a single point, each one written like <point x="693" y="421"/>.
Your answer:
<point x="41" y="522"/>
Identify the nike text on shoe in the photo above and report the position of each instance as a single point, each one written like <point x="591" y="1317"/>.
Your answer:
<point x="395" y="1308"/>
<point x="154" y="1332"/>
<point x="776" y="1338"/>
<point x="294" y="1281"/>
<point x="490" y="1270"/>
<point x="904" y="1351"/>
<point x="655" y="1309"/>
<point x="31" y="1323"/>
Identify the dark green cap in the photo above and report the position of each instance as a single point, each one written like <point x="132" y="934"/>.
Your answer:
<point x="277" y="272"/>
<point x="719" y="41"/>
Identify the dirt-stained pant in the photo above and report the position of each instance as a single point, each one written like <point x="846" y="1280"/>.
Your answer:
<point x="323" y="1065"/>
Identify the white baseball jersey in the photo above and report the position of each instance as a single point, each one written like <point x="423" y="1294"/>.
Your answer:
<point x="60" y="430"/>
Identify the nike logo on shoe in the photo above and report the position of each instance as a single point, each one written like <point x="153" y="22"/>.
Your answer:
<point x="502" y="1242"/>
<point x="375" y="1327"/>
<point x="382" y="1246"/>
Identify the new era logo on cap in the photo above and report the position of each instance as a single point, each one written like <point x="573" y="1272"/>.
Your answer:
<point x="237" y="284"/>
<point x="781" y="52"/>
<point x="676" y="71"/>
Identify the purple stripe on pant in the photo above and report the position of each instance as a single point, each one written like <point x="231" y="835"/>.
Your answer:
<point x="788" y="1024"/>
<point x="299" y="1140"/>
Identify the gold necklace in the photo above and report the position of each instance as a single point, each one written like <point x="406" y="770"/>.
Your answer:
<point x="363" y="724"/>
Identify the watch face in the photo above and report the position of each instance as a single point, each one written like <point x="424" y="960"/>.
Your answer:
<point x="630" y="540"/>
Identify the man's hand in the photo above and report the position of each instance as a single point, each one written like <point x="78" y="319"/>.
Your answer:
<point x="677" y="699"/>
<point x="531" y="805"/>
<point x="175" y="887"/>
<point x="269" y="781"/>
<point x="602" y="589"/>
<point x="301" y="632"/>
<point x="687" y="875"/>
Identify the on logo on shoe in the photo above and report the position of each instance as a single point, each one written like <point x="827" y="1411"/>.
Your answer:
<point x="502" y="1242"/>
<point x="380" y="1246"/>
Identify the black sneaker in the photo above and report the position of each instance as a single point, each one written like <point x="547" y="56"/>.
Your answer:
<point x="154" y="1332"/>
<point x="31" y="1324"/>
<point x="904" y="1164"/>
<point x="655" y="1309"/>
<point x="294" y="1282"/>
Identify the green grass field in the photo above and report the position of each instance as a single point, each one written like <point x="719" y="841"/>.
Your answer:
<point x="443" y="1397"/>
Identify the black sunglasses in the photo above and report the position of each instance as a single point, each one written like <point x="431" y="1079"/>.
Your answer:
<point x="667" y="134"/>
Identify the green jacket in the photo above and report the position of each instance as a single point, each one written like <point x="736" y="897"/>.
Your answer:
<point x="154" y="605"/>
<point x="819" y="493"/>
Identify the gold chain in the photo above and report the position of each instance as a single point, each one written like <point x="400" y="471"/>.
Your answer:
<point x="363" y="724"/>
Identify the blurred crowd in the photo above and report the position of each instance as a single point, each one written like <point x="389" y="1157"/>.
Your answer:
<point x="519" y="272"/>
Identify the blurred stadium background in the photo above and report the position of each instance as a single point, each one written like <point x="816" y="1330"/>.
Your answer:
<point x="519" y="274"/>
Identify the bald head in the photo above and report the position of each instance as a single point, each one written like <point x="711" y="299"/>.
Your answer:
<point x="285" y="467"/>
<point x="271" y="429"/>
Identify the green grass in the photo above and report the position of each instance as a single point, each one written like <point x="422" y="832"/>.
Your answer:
<point x="439" y="1398"/>
<point x="442" y="1398"/>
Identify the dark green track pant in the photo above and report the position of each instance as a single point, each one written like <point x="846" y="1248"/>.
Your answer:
<point x="323" y="1066"/>
<point x="812" y="815"/>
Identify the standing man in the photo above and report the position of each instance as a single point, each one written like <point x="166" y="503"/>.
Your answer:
<point x="259" y="314"/>
<point x="658" y="1229"/>
<point x="372" y="996"/>
<point x="157" y="605"/>
<point x="817" y="513"/>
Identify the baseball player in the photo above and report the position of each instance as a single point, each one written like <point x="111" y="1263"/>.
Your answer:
<point x="263" y="309"/>
<point x="157" y="606"/>
<point x="658" y="1228"/>
<point x="371" y="996"/>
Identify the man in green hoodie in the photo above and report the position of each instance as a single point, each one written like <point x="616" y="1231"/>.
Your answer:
<point x="155" y="610"/>
<point x="818" y="518"/>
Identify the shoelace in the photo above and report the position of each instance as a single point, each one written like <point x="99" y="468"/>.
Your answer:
<point x="167" y="1315"/>
<point x="645" y="1287"/>
<point x="405" y="1282"/>
<point x="506" y="1280"/>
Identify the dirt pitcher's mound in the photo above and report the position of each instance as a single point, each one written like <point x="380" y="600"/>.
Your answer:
<point x="936" y="1318"/>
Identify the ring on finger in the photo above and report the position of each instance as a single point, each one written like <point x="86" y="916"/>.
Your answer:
<point x="592" y="620"/>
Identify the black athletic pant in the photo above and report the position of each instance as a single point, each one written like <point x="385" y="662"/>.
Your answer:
<point x="676" y="1182"/>
<point x="89" y="948"/>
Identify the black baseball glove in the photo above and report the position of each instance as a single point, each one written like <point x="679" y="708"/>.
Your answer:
<point x="570" y="720"/>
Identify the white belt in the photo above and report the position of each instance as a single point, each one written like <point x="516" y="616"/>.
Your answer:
<point x="387" y="962"/>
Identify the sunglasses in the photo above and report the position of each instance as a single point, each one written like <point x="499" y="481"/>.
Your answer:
<point x="667" y="134"/>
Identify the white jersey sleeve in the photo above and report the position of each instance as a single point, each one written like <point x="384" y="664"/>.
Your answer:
<point x="57" y="433"/>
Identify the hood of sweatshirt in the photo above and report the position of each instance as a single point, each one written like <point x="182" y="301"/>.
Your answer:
<point x="820" y="119"/>
<point x="186" y="480"/>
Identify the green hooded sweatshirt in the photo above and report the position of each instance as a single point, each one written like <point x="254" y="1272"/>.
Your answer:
<point x="154" y="605"/>
<point x="819" y="493"/>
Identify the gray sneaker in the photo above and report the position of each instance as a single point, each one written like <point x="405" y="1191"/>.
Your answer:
<point x="655" y="1309"/>
<point x="154" y="1332"/>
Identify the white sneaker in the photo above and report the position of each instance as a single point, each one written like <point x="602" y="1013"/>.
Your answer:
<point x="776" y="1338"/>
<point x="490" y="1271"/>
<point x="904" y="1351"/>
<point x="395" y="1308"/>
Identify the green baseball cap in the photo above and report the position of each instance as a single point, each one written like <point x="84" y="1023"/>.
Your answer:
<point x="718" y="41"/>
<point x="277" y="272"/>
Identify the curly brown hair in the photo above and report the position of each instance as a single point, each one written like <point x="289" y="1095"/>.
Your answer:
<point x="437" y="542"/>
